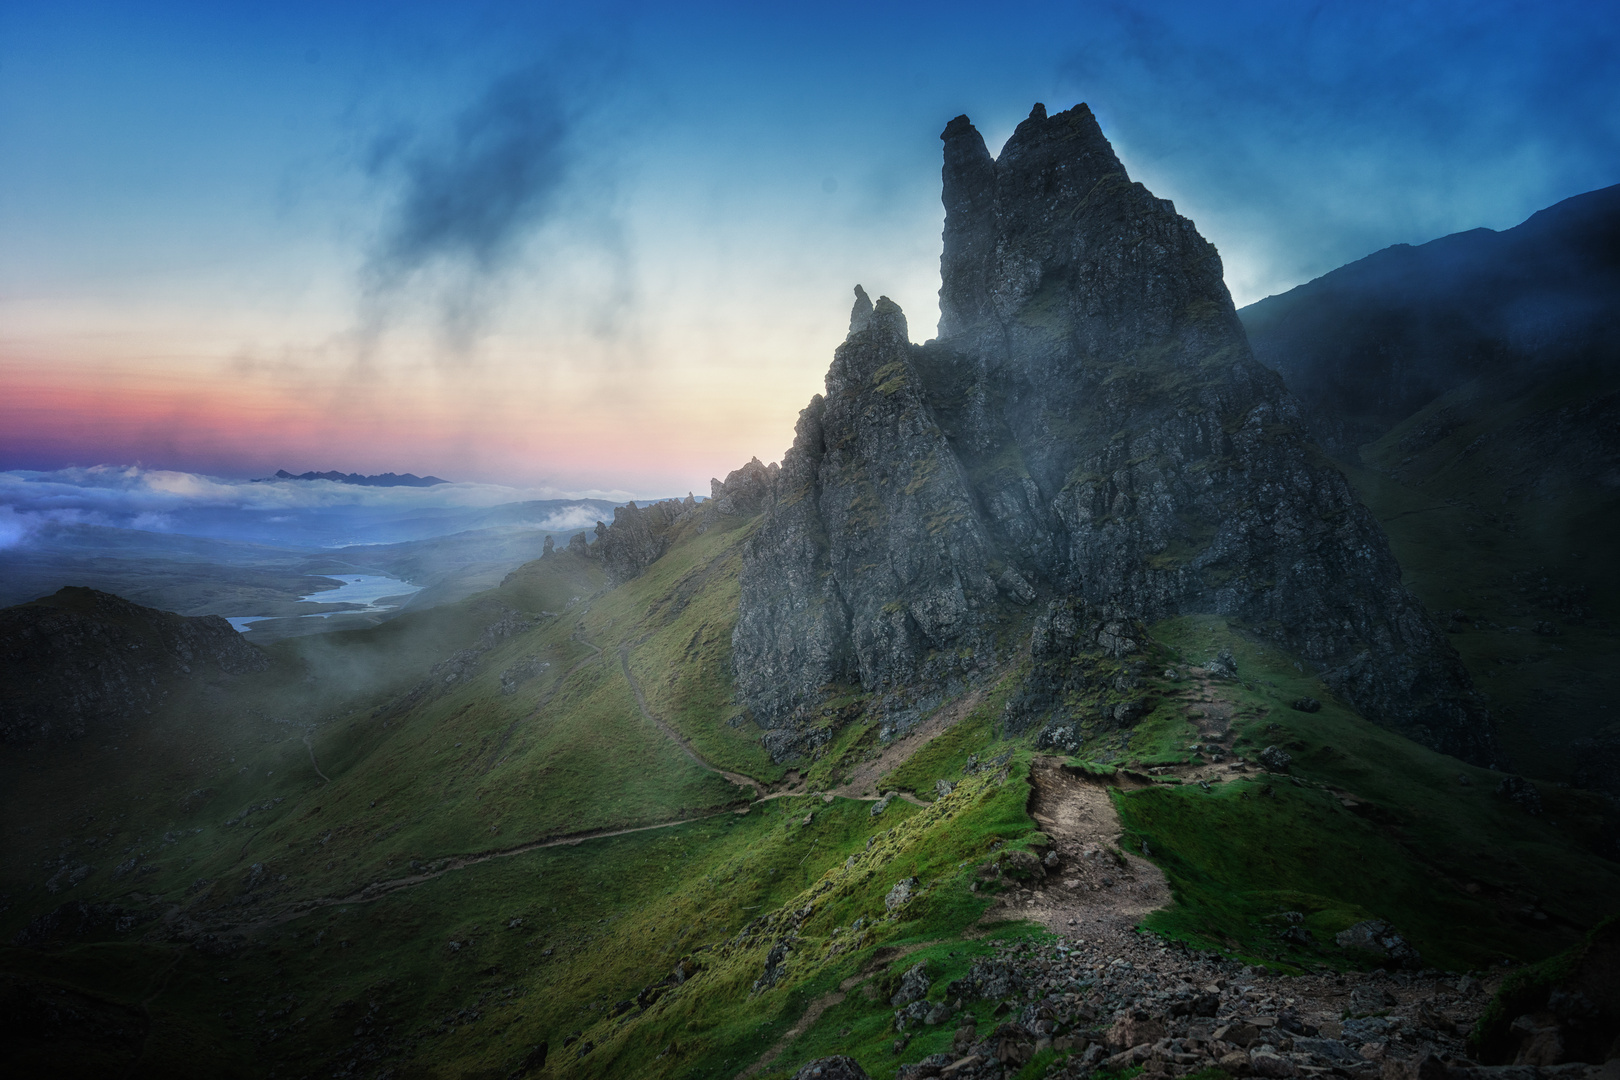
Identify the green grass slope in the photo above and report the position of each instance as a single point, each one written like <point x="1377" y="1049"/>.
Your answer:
<point x="1497" y="509"/>
<point x="429" y="848"/>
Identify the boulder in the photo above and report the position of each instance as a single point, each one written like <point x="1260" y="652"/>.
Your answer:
<point x="1267" y="1063"/>
<point x="901" y="894"/>
<point x="1378" y="940"/>
<point x="1276" y="760"/>
<point x="913" y="986"/>
<point x="837" y="1067"/>
<point x="1022" y="866"/>
<point x="1521" y="793"/>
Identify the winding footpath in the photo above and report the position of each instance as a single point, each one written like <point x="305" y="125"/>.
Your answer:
<point x="676" y="737"/>
<point x="859" y="790"/>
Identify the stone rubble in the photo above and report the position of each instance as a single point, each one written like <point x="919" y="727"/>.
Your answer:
<point x="1116" y="1004"/>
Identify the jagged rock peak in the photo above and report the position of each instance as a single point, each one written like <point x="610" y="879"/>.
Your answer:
<point x="861" y="314"/>
<point x="1052" y="231"/>
<point x="1090" y="427"/>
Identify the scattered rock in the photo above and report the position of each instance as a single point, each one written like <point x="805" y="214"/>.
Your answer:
<point x="1223" y="666"/>
<point x="1265" y="1062"/>
<point x="913" y="986"/>
<point x="1520" y="792"/>
<point x="775" y="962"/>
<point x="987" y="978"/>
<point x="1134" y="1029"/>
<point x="1425" y="1066"/>
<point x="1378" y="939"/>
<point x="1306" y="704"/>
<point x="901" y="894"/>
<point x="1276" y="760"/>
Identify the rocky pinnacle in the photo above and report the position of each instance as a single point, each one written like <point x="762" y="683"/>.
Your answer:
<point x="1088" y="426"/>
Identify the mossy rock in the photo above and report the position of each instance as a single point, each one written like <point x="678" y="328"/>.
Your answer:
<point x="1022" y="866"/>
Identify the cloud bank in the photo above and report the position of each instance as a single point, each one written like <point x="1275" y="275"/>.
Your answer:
<point x="293" y="511"/>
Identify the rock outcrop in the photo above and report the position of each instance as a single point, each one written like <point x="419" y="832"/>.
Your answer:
<point x="871" y="557"/>
<point x="1089" y="423"/>
<point x="81" y="659"/>
<point x="640" y="535"/>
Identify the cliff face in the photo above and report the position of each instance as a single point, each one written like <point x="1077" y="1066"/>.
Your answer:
<point x="82" y="658"/>
<point x="1089" y="424"/>
<point x="871" y="563"/>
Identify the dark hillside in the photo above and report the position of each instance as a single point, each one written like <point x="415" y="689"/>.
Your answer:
<point x="83" y="659"/>
<point x="1370" y="343"/>
<point x="1470" y="388"/>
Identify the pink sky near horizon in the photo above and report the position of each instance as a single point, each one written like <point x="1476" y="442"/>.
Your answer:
<point x="612" y="249"/>
<point x="65" y="414"/>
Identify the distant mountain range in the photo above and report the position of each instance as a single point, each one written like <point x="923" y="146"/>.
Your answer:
<point x="386" y="479"/>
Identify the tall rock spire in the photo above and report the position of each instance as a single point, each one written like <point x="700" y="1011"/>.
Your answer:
<point x="1089" y="427"/>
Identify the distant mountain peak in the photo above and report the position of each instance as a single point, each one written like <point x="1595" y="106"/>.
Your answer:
<point x="386" y="479"/>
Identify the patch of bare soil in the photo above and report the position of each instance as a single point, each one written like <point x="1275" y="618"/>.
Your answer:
<point x="1091" y="888"/>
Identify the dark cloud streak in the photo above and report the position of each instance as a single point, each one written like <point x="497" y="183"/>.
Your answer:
<point x="472" y="196"/>
<point x="468" y="198"/>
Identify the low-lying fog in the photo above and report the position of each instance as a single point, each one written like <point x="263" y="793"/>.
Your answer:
<point x="251" y="550"/>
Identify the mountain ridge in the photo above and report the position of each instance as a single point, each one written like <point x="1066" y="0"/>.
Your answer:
<point x="387" y="479"/>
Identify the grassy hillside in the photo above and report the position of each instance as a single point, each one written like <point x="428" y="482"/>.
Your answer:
<point x="1498" y="511"/>
<point x="429" y="848"/>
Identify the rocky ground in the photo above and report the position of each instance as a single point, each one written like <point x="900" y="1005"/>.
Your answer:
<point x="1115" y="998"/>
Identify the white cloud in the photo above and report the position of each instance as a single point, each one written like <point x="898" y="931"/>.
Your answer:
<point x="570" y="519"/>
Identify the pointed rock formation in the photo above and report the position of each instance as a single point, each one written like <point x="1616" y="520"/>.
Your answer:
<point x="1089" y="424"/>
<point x="871" y="564"/>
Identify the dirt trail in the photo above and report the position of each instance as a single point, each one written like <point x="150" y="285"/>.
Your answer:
<point x="313" y="763"/>
<point x="880" y="960"/>
<point x="861" y="787"/>
<point x="379" y="889"/>
<point x="676" y="737"/>
<point x="862" y="782"/>
<point x="1096" y="891"/>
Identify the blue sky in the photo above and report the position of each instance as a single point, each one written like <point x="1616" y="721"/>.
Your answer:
<point x="611" y="246"/>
